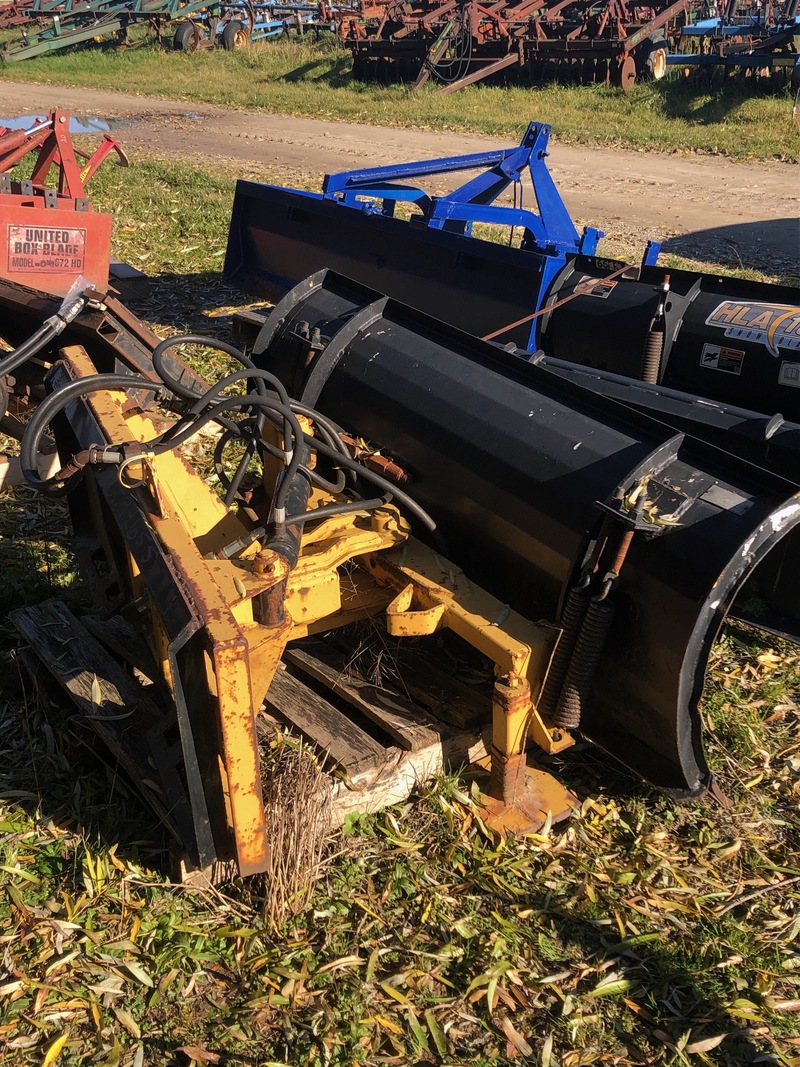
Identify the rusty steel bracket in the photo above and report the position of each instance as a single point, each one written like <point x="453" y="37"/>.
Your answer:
<point x="434" y="594"/>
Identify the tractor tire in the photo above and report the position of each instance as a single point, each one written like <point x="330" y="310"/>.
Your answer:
<point x="185" y="39"/>
<point x="651" y="60"/>
<point x="235" y="36"/>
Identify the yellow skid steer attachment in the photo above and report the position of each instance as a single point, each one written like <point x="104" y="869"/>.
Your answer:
<point x="218" y="607"/>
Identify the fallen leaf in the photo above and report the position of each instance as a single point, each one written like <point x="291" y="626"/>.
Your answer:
<point x="201" y="1055"/>
<point x="609" y="987"/>
<point x="515" y="1037"/>
<point x="128" y="1021"/>
<point x="706" y="1044"/>
<point x="547" y="1051"/>
<point x="55" y="1050"/>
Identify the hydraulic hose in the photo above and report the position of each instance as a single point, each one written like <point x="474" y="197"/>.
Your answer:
<point x="56" y="402"/>
<point x="262" y="378"/>
<point x="47" y="332"/>
<point x="174" y="384"/>
<point x="206" y="409"/>
<point x="249" y="400"/>
<point x="327" y="511"/>
<point x="377" y="479"/>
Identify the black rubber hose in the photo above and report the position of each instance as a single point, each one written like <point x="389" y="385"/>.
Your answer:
<point x="313" y="475"/>
<point x="321" y="420"/>
<point x="241" y="375"/>
<point x="57" y="401"/>
<point x="35" y="343"/>
<point x="48" y="331"/>
<point x="174" y="384"/>
<point x="262" y="378"/>
<point x="185" y="429"/>
<point x="241" y="470"/>
<point x="322" y="483"/>
<point x="249" y="400"/>
<point x="327" y="511"/>
<point x="219" y="449"/>
<point x="219" y="346"/>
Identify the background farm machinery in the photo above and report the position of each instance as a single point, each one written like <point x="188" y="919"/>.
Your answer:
<point x="93" y="20"/>
<point x="15" y="13"/>
<point x="453" y="42"/>
<point x="755" y="40"/>
<point x="571" y="535"/>
<point x="611" y="42"/>
<point x="200" y="23"/>
<point x="233" y="26"/>
<point x="575" y="41"/>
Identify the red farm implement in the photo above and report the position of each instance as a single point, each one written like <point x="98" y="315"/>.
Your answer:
<point x="49" y="234"/>
<point x="14" y="13"/>
<point x="610" y="42"/>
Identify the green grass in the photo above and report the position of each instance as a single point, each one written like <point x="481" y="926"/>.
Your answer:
<point x="641" y="932"/>
<point x="303" y="78"/>
<point x="615" y="939"/>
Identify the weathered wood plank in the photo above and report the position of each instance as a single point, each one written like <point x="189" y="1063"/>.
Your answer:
<point x="347" y="744"/>
<point x="436" y="690"/>
<point x="443" y="694"/>
<point x="111" y="702"/>
<point x="404" y="774"/>
<point x="124" y="641"/>
<point x="401" y="719"/>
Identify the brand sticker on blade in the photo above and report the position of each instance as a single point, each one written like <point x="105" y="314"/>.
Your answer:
<point x="50" y="250"/>
<point x="775" y="326"/>
<point x="728" y="360"/>
<point x="789" y="374"/>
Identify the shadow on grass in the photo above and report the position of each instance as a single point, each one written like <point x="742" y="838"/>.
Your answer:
<point x="55" y="769"/>
<point x="52" y="765"/>
<point x="708" y="99"/>
<point x="663" y="972"/>
<point x="770" y="244"/>
<point x="337" y="76"/>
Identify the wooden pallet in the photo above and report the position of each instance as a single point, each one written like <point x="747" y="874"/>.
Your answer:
<point x="383" y="745"/>
<point x="379" y="746"/>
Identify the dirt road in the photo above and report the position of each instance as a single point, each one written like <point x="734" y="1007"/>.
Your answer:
<point x="703" y="207"/>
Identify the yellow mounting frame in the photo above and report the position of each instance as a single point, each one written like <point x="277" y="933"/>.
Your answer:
<point x="417" y="590"/>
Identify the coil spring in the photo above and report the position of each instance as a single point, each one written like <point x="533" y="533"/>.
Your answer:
<point x="651" y="357"/>
<point x="571" y="618"/>
<point x="583" y="664"/>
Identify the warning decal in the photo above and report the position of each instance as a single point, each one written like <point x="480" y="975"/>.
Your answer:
<point x="789" y="374"/>
<point x="50" y="250"/>
<point x="728" y="360"/>
<point x="601" y="289"/>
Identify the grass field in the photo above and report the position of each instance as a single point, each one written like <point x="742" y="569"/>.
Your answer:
<point x="303" y="78"/>
<point x="641" y="932"/>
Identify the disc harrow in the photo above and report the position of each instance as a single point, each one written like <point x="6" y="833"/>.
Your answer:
<point x="455" y="43"/>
